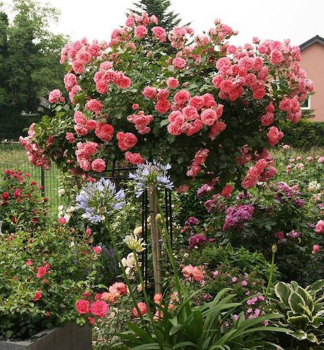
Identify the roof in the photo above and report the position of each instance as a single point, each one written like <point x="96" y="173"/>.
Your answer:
<point x="316" y="39"/>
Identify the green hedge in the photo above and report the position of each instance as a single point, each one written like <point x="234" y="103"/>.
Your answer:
<point x="304" y="135"/>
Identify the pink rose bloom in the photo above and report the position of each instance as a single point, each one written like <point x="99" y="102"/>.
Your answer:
<point x="316" y="248"/>
<point x="209" y="101"/>
<point x="81" y="130"/>
<point x="82" y="306"/>
<point x="159" y="33"/>
<point x="79" y="118"/>
<point x="94" y="106"/>
<point x="162" y="106"/>
<point x="267" y="119"/>
<point x="227" y="86"/>
<point x="97" y="249"/>
<point x="101" y="87"/>
<point x="61" y="221"/>
<point x="150" y="92"/>
<point x="183" y="188"/>
<point x="98" y="165"/>
<point x="135" y="106"/>
<point x="179" y="63"/>
<point x="126" y="140"/>
<point x="91" y="124"/>
<point x="259" y="93"/>
<point x="275" y="57"/>
<point x="118" y="287"/>
<point x="320" y="227"/>
<point x="104" y="132"/>
<point x="134" y="158"/>
<point x="99" y="308"/>
<point x="209" y="117"/>
<point x="83" y="57"/>
<point x="54" y="96"/>
<point x="69" y="81"/>
<point x="285" y="146"/>
<point x="140" y="32"/>
<point x="172" y="83"/>
<point x="124" y="82"/>
<point x="197" y="101"/>
<point x="70" y="137"/>
<point x="274" y="136"/>
<point x="142" y="308"/>
<point x="37" y="296"/>
<point x="320" y="160"/>
<point x="181" y="97"/>
<point x="78" y="67"/>
<point x="89" y="149"/>
<point x="41" y="272"/>
<point x="285" y="104"/>
<point x="190" y="113"/>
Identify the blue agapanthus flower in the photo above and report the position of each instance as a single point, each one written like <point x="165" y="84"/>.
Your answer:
<point x="154" y="174"/>
<point x="100" y="199"/>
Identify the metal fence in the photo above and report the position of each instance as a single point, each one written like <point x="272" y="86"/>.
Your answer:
<point x="13" y="156"/>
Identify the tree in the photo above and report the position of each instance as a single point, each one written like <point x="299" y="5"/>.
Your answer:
<point x="30" y="67"/>
<point x="160" y="8"/>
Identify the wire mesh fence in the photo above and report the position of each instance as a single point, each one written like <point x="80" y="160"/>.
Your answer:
<point x="13" y="156"/>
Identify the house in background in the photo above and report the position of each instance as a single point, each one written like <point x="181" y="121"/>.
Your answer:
<point x="312" y="52"/>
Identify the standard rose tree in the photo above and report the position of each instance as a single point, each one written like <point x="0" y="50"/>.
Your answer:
<point x="212" y="109"/>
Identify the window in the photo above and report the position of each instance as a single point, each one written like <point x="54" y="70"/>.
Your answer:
<point x="306" y="104"/>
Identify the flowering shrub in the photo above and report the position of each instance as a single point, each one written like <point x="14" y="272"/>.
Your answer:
<point x="210" y="108"/>
<point x="21" y="203"/>
<point x="41" y="275"/>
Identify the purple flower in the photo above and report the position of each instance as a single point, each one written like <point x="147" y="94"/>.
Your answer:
<point x="236" y="216"/>
<point x="293" y="234"/>
<point x="197" y="240"/>
<point x="192" y="221"/>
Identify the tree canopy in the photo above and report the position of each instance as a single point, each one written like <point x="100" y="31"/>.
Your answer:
<point x="29" y="65"/>
<point x="161" y="9"/>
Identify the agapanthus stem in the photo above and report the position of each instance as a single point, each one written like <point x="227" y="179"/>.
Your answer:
<point x="156" y="245"/>
<point x="167" y="243"/>
<point x="146" y="297"/>
<point x="112" y="237"/>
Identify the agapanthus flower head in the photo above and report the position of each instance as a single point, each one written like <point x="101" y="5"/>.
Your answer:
<point x="100" y="199"/>
<point x="151" y="173"/>
<point x="134" y="243"/>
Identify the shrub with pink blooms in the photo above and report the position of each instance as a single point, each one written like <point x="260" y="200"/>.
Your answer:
<point x="21" y="203"/>
<point x="216" y="124"/>
<point x="42" y="273"/>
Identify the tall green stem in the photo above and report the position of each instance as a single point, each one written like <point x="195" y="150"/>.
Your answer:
<point x="112" y="237"/>
<point x="168" y="245"/>
<point x="147" y="302"/>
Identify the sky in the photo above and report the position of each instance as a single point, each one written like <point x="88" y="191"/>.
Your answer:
<point x="298" y="20"/>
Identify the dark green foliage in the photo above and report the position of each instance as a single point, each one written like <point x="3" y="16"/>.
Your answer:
<point x="304" y="135"/>
<point x="160" y="8"/>
<point x="29" y="66"/>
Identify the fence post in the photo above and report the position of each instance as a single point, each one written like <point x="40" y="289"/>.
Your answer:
<point x="43" y="181"/>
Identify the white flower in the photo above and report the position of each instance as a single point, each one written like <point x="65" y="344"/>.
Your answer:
<point x="134" y="243"/>
<point x="84" y="216"/>
<point x="139" y="288"/>
<point x="138" y="230"/>
<point x="71" y="209"/>
<point x="60" y="208"/>
<point x="60" y="214"/>
<point x="61" y="191"/>
<point x="67" y="217"/>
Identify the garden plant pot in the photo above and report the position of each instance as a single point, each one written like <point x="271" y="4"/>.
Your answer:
<point x="68" y="337"/>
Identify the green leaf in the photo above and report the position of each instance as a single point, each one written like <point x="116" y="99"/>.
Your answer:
<point x="185" y="343"/>
<point x="295" y="301"/>
<point x="282" y="291"/>
<point x="175" y="329"/>
<point x="298" y="321"/>
<point x="317" y="286"/>
<point x="300" y="335"/>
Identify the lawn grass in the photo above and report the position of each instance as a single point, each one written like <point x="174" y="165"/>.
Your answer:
<point x="13" y="156"/>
